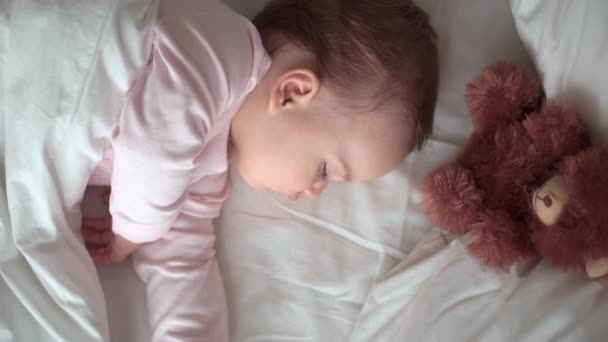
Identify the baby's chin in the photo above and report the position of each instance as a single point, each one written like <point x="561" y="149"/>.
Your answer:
<point x="248" y="177"/>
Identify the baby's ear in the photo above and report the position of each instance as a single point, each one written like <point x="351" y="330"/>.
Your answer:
<point x="295" y="87"/>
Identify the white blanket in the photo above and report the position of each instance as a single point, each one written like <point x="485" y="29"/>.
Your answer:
<point x="64" y="66"/>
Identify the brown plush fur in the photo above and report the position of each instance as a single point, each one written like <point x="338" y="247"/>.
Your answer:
<point x="519" y="142"/>
<point x="581" y="232"/>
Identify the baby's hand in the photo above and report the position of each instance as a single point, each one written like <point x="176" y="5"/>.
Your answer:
<point x="105" y="247"/>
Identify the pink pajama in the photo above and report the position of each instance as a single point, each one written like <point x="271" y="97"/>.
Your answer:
<point x="167" y="161"/>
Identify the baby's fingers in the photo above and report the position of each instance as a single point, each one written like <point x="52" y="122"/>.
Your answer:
<point x="97" y="238"/>
<point x="97" y="223"/>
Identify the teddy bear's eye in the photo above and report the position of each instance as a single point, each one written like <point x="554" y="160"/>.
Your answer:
<point x="570" y="221"/>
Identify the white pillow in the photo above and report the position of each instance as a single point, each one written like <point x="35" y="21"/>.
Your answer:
<point x="568" y="41"/>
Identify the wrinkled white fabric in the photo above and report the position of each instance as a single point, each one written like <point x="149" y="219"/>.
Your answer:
<point x="440" y="293"/>
<point x="62" y="67"/>
<point x="569" y="45"/>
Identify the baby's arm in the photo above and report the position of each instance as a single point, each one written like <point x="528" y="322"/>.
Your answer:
<point x="185" y="293"/>
<point x="161" y="134"/>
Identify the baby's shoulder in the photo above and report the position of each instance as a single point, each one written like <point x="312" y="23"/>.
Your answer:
<point x="213" y="40"/>
<point x="204" y="19"/>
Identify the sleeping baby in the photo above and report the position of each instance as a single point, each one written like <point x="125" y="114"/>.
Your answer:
<point x="311" y="92"/>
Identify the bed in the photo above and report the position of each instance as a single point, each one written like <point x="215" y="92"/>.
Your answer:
<point x="362" y="263"/>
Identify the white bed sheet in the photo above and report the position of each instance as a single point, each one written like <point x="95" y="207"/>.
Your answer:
<point x="440" y="293"/>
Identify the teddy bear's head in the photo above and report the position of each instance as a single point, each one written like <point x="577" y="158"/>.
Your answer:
<point x="571" y="226"/>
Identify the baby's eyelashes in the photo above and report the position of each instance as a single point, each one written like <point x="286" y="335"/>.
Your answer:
<point x="323" y="172"/>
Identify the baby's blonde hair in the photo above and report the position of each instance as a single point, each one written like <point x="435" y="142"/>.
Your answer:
<point x="383" y="51"/>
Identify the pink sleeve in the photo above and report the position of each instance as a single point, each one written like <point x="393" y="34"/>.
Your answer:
<point x="204" y="59"/>
<point x="160" y="134"/>
<point x="186" y="296"/>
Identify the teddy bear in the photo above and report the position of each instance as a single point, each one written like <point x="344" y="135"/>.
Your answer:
<point x="527" y="183"/>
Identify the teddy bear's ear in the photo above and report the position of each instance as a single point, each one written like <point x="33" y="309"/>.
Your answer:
<point x="502" y="93"/>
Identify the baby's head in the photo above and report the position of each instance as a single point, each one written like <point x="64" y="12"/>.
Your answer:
<point x="350" y="93"/>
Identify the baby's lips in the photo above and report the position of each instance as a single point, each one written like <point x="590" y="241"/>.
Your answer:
<point x="597" y="268"/>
